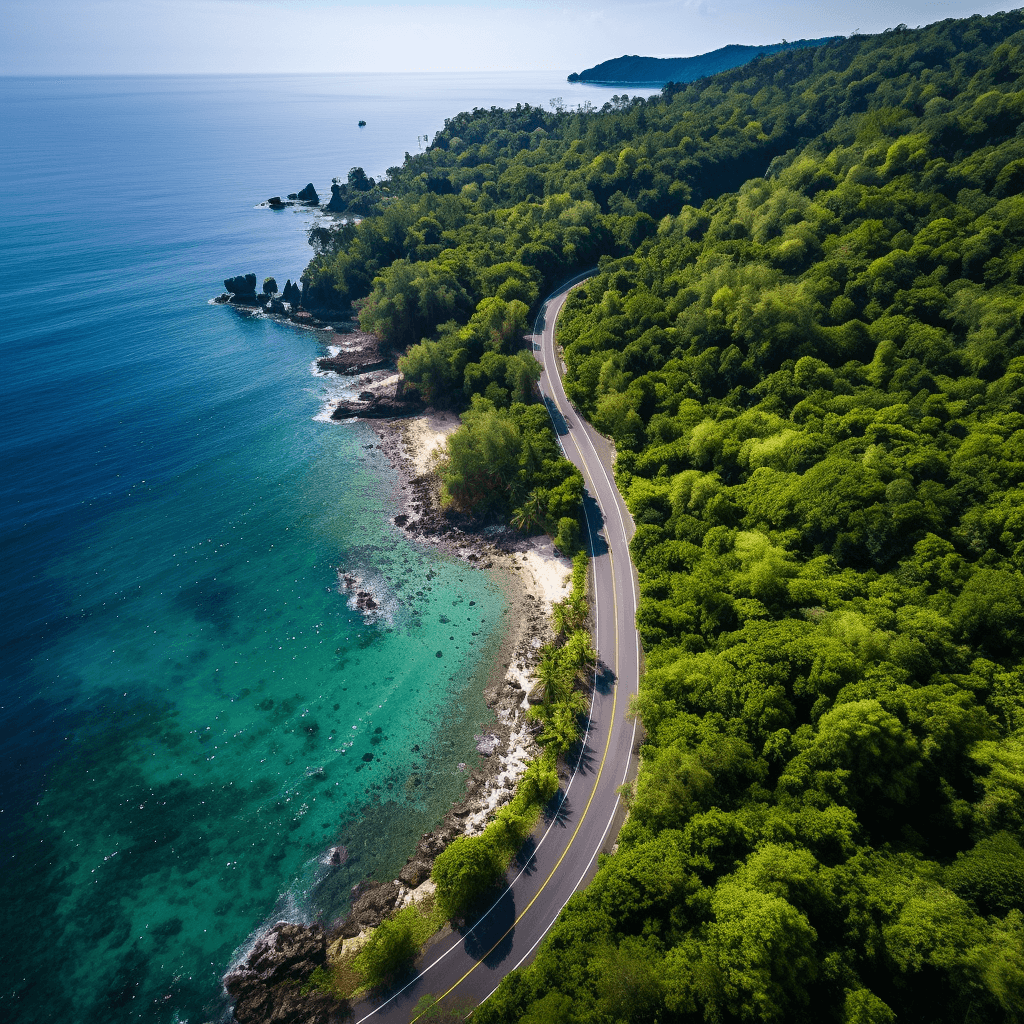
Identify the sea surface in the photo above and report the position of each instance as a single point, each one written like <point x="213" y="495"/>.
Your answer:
<point x="192" y="715"/>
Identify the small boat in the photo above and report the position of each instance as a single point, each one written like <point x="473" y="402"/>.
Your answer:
<point x="362" y="124"/>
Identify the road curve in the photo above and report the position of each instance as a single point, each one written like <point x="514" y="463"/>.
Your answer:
<point x="561" y="856"/>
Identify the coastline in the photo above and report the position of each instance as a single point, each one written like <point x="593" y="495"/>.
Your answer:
<point x="533" y="576"/>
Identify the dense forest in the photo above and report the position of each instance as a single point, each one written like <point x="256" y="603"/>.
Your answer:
<point x="805" y="338"/>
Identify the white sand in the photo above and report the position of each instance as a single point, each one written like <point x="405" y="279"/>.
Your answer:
<point x="425" y="437"/>
<point x="551" y="572"/>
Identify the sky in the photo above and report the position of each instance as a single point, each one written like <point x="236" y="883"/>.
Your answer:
<point x="76" y="37"/>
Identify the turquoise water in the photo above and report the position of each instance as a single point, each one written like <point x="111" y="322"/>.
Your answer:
<point x="230" y="718"/>
<point x="191" y="714"/>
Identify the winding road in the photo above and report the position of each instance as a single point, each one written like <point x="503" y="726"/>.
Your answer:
<point x="561" y="856"/>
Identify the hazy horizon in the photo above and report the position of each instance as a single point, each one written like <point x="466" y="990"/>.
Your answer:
<point x="115" y="37"/>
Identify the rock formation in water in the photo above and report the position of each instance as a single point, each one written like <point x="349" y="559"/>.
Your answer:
<point x="269" y="987"/>
<point x="308" y="195"/>
<point x="338" y="202"/>
<point x="242" y="289"/>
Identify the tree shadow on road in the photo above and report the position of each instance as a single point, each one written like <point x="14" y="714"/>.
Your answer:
<point x="490" y="939"/>
<point x="604" y="681"/>
<point x="595" y="521"/>
<point x="561" y="425"/>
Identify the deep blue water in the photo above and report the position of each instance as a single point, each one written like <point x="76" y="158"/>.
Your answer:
<point x="190" y="712"/>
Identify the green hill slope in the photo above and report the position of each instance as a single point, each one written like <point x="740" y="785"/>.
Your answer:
<point x="806" y="338"/>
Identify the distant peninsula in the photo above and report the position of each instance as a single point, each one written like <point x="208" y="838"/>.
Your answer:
<point x="659" y="70"/>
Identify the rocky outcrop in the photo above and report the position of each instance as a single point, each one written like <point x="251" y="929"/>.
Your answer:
<point x="380" y="406"/>
<point x="362" y="354"/>
<point x="268" y="987"/>
<point x="307" y="195"/>
<point x="276" y="203"/>
<point x="350" y="364"/>
<point x="488" y="744"/>
<point x="291" y="293"/>
<point x="373" y="901"/>
<point x="242" y="290"/>
<point x="339" y="201"/>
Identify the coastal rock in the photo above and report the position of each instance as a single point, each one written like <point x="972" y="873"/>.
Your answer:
<point x="373" y="902"/>
<point x="291" y="293"/>
<point x="416" y="872"/>
<point x="276" y="203"/>
<point x="308" y="195"/>
<point x="349" y="364"/>
<point x="362" y="354"/>
<point x="267" y="988"/>
<point x="338" y="202"/>
<point x="287" y="951"/>
<point x="382" y="407"/>
<point x="488" y="744"/>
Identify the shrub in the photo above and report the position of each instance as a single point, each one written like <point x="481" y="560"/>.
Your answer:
<point x="389" y="952"/>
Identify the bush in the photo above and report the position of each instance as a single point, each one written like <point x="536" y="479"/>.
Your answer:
<point x="389" y="952"/>
<point x="466" y="870"/>
<point x="567" y="540"/>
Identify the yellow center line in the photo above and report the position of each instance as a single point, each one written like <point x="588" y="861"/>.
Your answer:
<point x="604" y="757"/>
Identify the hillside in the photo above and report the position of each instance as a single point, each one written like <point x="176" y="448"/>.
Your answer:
<point x="658" y="70"/>
<point x="806" y="339"/>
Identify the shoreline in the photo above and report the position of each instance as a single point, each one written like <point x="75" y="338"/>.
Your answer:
<point x="533" y="576"/>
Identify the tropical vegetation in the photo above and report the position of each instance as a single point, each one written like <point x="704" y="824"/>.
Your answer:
<point x="806" y="339"/>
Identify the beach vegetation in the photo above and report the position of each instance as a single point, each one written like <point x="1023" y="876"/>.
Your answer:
<point x="390" y="950"/>
<point x="473" y="867"/>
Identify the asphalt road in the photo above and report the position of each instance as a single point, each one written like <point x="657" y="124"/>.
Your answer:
<point x="561" y="856"/>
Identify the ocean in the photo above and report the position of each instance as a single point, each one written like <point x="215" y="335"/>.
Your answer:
<point x="191" y="714"/>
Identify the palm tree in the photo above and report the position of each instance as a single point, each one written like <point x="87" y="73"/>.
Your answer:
<point x="529" y="515"/>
